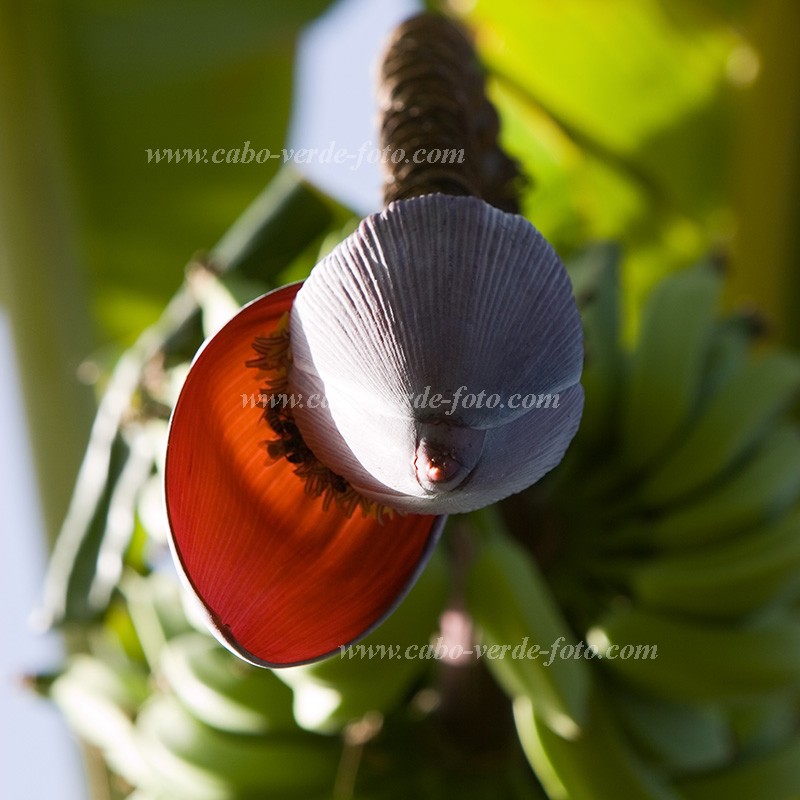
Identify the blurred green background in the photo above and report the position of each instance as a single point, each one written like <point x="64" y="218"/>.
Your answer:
<point x="668" y="126"/>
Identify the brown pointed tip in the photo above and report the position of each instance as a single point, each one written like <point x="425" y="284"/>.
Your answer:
<point x="440" y="469"/>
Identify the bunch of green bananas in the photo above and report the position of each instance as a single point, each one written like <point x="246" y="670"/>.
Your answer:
<point x="670" y="535"/>
<point x="178" y="716"/>
<point x="201" y="724"/>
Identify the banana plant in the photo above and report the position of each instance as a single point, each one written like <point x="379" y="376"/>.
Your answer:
<point x="628" y="587"/>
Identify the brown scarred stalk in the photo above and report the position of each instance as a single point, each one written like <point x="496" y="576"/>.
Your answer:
<point x="432" y="104"/>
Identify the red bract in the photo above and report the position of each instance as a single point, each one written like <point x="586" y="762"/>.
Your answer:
<point x="283" y="580"/>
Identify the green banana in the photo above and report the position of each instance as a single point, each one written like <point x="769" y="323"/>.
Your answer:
<point x="594" y="277"/>
<point x="598" y="765"/>
<point x="762" y="488"/>
<point x="221" y="690"/>
<point x="730" y="345"/>
<point x="666" y="370"/>
<point x="99" y="700"/>
<point x="188" y="760"/>
<point x="214" y="297"/>
<point x="679" y="737"/>
<point x="732" y="423"/>
<point x="376" y="673"/>
<point x="774" y="775"/>
<point x="764" y="723"/>
<point x="699" y="662"/>
<point x="511" y="603"/>
<point x="139" y="794"/>
<point x="155" y="606"/>
<point x="724" y="580"/>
